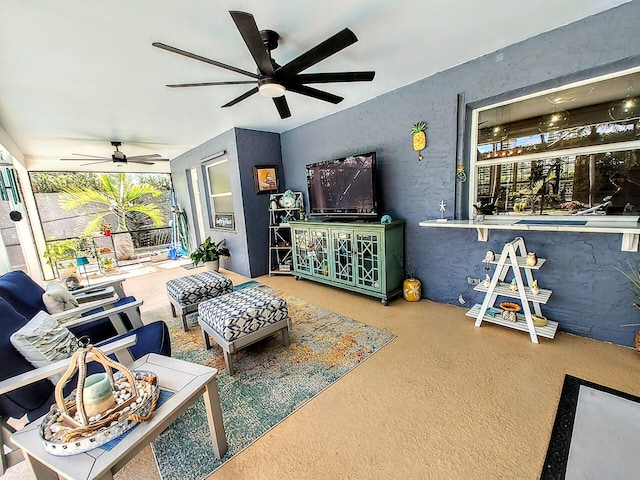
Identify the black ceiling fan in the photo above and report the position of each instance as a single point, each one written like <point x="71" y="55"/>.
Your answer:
<point x="118" y="158"/>
<point x="272" y="79"/>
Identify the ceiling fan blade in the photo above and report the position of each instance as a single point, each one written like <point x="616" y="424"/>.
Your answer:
<point x="90" y="163"/>
<point x="206" y="84"/>
<point x="143" y="162"/>
<point x="318" y="53"/>
<point x="203" y="59"/>
<point x="334" y="77"/>
<point x="143" y="157"/>
<point x="251" y="35"/>
<point x="282" y="106"/>
<point x="85" y="156"/>
<point x="241" y="97"/>
<point x="314" y="92"/>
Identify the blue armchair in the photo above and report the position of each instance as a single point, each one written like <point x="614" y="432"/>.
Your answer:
<point x="25" y="295"/>
<point x="20" y="300"/>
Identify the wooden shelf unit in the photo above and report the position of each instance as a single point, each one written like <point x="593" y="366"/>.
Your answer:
<point x="513" y="257"/>
<point x="280" y="248"/>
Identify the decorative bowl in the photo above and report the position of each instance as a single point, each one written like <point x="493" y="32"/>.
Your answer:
<point x="509" y="310"/>
<point x="539" y="320"/>
<point x="78" y="440"/>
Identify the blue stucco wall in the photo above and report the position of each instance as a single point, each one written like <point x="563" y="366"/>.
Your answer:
<point x="248" y="243"/>
<point x="257" y="148"/>
<point x="590" y="296"/>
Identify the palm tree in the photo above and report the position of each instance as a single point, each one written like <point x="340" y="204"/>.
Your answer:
<point x="118" y="195"/>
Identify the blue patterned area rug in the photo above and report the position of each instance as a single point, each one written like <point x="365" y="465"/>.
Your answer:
<point x="271" y="381"/>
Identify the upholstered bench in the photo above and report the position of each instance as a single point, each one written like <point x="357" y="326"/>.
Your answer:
<point x="186" y="293"/>
<point x="241" y="318"/>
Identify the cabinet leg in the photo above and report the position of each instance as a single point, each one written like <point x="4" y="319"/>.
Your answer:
<point x="384" y="302"/>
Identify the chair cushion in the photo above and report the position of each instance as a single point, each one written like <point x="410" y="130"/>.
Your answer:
<point x="24" y="295"/>
<point x="193" y="289"/>
<point x="242" y="312"/>
<point x="152" y="338"/>
<point x="102" y="329"/>
<point x="43" y="341"/>
<point x="58" y="299"/>
<point x="33" y="399"/>
<point x="123" y="244"/>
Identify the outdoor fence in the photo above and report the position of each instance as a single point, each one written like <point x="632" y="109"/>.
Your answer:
<point x="139" y="246"/>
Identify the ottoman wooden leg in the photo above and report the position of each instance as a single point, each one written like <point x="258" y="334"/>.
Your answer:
<point x="184" y="322"/>
<point x="285" y="336"/>
<point x="173" y="310"/>
<point x="207" y="342"/>
<point x="228" y="360"/>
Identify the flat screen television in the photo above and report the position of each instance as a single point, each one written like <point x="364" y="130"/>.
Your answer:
<point x="345" y="187"/>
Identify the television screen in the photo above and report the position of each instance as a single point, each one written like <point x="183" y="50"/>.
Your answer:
<point x="343" y="187"/>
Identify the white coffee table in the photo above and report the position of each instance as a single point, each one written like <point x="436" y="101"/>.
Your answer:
<point x="187" y="380"/>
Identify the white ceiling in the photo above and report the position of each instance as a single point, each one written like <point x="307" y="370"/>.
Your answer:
<point x="75" y="74"/>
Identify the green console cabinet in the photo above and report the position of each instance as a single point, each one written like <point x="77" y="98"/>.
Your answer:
<point x="360" y="257"/>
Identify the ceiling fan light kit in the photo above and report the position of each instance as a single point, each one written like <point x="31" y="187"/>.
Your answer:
<point x="273" y="80"/>
<point x="271" y="89"/>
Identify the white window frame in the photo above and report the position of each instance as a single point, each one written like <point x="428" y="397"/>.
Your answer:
<point x="213" y="196"/>
<point x="592" y="149"/>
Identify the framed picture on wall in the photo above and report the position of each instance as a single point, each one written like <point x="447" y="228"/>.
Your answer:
<point x="223" y="220"/>
<point x="266" y="178"/>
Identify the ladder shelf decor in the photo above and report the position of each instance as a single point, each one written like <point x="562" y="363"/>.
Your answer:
<point x="514" y="256"/>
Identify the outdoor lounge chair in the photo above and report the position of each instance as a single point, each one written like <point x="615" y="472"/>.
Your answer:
<point x="24" y="389"/>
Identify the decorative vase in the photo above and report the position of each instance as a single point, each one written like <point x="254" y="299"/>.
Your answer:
<point x="288" y="199"/>
<point x="531" y="259"/>
<point x="412" y="289"/>
<point x="212" y="266"/>
<point x="97" y="394"/>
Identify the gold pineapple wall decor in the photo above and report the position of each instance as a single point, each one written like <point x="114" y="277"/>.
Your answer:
<point x="419" y="138"/>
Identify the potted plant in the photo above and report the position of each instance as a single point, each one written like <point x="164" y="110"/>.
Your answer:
<point x="107" y="263"/>
<point x="105" y="228"/>
<point x="61" y="254"/>
<point x="634" y="278"/>
<point x="209" y="253"/>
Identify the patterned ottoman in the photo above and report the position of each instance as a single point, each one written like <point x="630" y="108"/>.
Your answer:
<point x="186" y="293"/>
<point x="242" y="318"/>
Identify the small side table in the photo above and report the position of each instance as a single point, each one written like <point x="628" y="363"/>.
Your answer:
<point x="187" y="380"/>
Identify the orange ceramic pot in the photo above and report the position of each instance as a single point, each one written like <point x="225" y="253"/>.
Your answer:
<point x="412" y="290"/>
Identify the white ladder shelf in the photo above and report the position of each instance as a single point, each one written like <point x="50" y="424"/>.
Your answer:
<point x="514" y="256"/>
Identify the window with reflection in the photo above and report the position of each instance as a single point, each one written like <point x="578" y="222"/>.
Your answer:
<point x="219" y="188"/>
<point x="570" y="151"/>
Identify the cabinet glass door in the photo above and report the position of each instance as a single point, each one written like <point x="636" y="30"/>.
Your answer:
<point x="342" y="261"/>
<point x="368" y="253"/>
<point x="301" y="250"/>
<point x="318" y="252"/>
